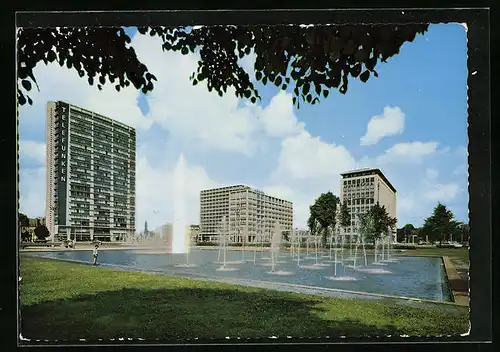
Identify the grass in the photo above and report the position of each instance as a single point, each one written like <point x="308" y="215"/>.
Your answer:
<point x="66" y="301"/>
<point x="458" y="253"/>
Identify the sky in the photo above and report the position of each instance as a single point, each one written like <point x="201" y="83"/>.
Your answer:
<point x="411" y="122"/>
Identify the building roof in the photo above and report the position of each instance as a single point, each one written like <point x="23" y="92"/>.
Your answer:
<point x="370" y="171"/>
<point x="96" y="114"/>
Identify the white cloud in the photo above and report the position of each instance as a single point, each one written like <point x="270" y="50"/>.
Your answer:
<point x="192" y="113"/>
<point x="442" y="192"/>
<point x="60" y="83"/>
<point x="32" y="150"/>
<point x="390" y="123"/>
<point x="32" y="192"/>
<point x="307" y="167"/>
<point x="304" y="156"/>
<point x="155" y="190"/>
<point x="407" y="152"/>
<point x="278" y="117"/>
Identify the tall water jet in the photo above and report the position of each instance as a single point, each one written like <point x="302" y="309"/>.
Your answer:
<point x="275" y="245"/>
<point x="299" y="246"/>
<point x="223" y="243"/>
<point x="316" y="249"/>
<point x="179" y="235"/>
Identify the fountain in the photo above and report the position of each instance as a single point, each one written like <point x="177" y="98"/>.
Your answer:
<point x="275" y="249"/>
<point x="180" y="239"/>
<point x="223" y="243"/>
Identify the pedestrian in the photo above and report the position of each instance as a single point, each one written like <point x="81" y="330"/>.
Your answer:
<point x="95" y="253"/>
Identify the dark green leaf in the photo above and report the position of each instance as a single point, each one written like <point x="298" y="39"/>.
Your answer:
<point x="184" y="51"/>
<point x="278" y="81"/>
<point x="253" y="100"/>
<point x="364" y="76"/>
<point x="30" y="101"/>
<point x="247" y="94"/>
<point x="308" y="98"/>
<point x="283" y="87"/>
<point x="318" y="89"/>
<point x="325" y="93"/>
<point x="264" y="80"/>
<point x="195" y="82"/>
<point x="294" y="100"/>
<point x="356" y="70"/>
<point x="258" y="75"/>
<point x="26" y="84"/>
<point x="21" y="99"/>
<point x="305" y="88"/>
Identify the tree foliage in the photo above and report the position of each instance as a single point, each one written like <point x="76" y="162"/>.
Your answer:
<point x="460" y="231"/>
<point x="24" y="221"/>
<point x="309" y="61"/>
<point x="323" y="214"/>
<point x="440" y="225"/>
<point x="344" y="217"/>
<point x="376" y="223"/>
<point x="41" y="231"/>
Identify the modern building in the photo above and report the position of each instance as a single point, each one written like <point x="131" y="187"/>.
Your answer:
<point x="194" y="233"/>
<point x="91" y="180"/>
<point x="361" y="189"/>
<point x="251" y="214"/>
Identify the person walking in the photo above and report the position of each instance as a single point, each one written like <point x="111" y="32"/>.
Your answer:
<point x="95" y="253"/>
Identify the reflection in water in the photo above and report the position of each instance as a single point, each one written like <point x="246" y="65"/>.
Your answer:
<point x="418" y="277"/>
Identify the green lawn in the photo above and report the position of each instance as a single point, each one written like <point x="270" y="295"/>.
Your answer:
<point x="459" y="253"/>
<point x="71" y="301"/>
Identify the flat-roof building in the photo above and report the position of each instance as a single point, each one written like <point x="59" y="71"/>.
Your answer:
<point x="251" y="214"/>
<point x="361" y="189"/>
<point x="91" y="180"/>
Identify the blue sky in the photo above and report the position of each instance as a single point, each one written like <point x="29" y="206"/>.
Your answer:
<point x="419" y="138"/>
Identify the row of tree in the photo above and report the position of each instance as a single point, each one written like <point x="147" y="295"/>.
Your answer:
<point x="26" y="230"/>
<point x="327" y="211"/>
<point x="441" y="226"/>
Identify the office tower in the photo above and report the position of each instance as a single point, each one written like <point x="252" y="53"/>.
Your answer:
<point x="361" y="189"/>
<point x="249" y="213"/>
<point x="90" y="175"/>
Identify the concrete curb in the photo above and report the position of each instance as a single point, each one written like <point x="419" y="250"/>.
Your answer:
<point x="459" y="296"/>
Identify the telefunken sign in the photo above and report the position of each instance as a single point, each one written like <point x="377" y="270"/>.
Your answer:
<point x="62" y="113"/>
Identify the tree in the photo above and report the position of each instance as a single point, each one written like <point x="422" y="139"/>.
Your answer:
<point x="41" y="231"/>
<point x="408" y="230"/>
<point x="460" y="232"/>
<point x="376" y="222"/>
<point x="439" y="225"/>
<point x="24" y="221"/>
<point x="367" y="226"/>
<point x="344" y="217"/>
<point x="311" y="60"/>
<point x="323" y="214"/>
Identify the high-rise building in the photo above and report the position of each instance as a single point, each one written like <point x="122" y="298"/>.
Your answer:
<point x="249" y="213"/>
<point x="361" y="189"/>
<point x="90" y="175"/>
